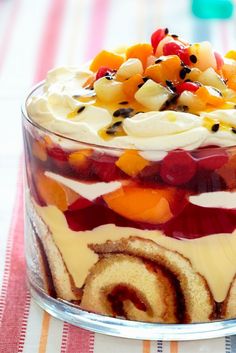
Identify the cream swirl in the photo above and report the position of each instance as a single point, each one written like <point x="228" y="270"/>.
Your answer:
<point x="148" y="131"/>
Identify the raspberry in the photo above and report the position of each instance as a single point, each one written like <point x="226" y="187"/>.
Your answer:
<point x="175" y="48"/>
<point x="157" y="36"/>
<point x="187" y="86"/>
<point x="106" y="170"/>
<point x="103" y="71"/>
<point x="177" y="168"/>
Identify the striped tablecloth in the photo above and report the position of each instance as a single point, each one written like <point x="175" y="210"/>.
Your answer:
<point x="34" y="37"/>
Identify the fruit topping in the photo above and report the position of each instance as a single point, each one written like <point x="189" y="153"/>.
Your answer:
<point x="131" y="163"/>
<point x="210" y="95"/>
<point x="205" y="55"/>
<point x="109" y="90"/>
<point x="103" y="71"/>
<point x="187" y="86"/>
<point x="140" y="51"/>
<point x="157" y="36"/>
<point x="130" y="68"/>
<point x="106" y="58"/>
<point x="153" y="95"/>
<point x="178" y="168"/>
<point x="142" y="204"/>
<point x="165" y="68"/>
<point x="210" y="78"/>
<point x="175" y="48"/>
<point x="131" y="85"/>
<point x="219" y="61"/>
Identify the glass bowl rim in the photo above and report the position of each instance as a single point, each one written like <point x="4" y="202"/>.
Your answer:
<point x="27" y="117"/>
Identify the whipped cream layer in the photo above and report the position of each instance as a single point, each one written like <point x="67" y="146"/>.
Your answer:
<point x="56" y="109"/>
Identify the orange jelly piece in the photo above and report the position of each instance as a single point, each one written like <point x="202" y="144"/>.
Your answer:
<point x="140" y="51"/>
<point x="167" y="69"/>
<point x="79" y="159"/>
<point x="39" y="150"/>
<point x="106" y="58"/>
<point x="142" y="204"/>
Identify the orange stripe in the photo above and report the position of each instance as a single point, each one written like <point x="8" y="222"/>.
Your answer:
<point x="146" y="346"/>
<point x="44" y="333"/>
<point x="174" y="347"/>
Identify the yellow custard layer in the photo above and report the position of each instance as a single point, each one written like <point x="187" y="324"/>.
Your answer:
<point x="213" y="256"/>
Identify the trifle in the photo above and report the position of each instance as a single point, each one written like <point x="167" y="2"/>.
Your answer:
<point x="130" y="179"/>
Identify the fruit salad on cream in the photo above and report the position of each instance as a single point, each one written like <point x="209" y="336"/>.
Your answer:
<point x="131" y="170"/>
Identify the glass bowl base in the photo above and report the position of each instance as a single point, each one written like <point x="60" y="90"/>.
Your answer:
<point x="70" y="313"/>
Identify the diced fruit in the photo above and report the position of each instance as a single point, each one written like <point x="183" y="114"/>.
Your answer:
<point x="157" y="36"/>
<point x="167" y="69"/>
<point x="210" y="78"/>
<point x="140" y="51"/>
<point x="109" y="90"/>
<point x="130" y="68"/>
<point x="89" y="82"/>
<point x="39" y="150"/>
<point x="79" y="204"/>
<point x="187" y="86"/>
<point x="176" y="48"/>
<point x="79" y="159"/>
<point x="231" y="54"/>
<point x="229" y="68"/>
<point x="177" y="168"/>
<point x="106" y="58"/>
<point x="228" y="172"/>
<point x="51" y="191"/>
<point x="204" y="54"/>
<point x="210" y="95"/>
<point x="103" y="71"/>
<point x="231" y="83"/>
<point x="191" y="101"/>
<point x="159" y="50"/>
<point x="132" y="163"/>
<point x="130" y="86"/>
<point x="142" y="204"/>
<point x="57" y="154"/>
<point x="219" y="61"/>
<point x="210" y="159"/>
<point x="152" y="95"/>
<point x="193" y="74"/>
<point x="105" y="168"/>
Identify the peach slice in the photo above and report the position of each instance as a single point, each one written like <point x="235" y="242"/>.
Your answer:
<point x="106" y="58"/>
<point x="79" y="159"/>
<point x="39" y="150"/>
<point x="53" y="193"/>
<point x="210" y="95"/>
<point x="140" y="51"/>
<point x="140" y="204"/>
<point x="132" y="163"/>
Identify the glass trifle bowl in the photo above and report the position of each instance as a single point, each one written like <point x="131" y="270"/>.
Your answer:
<point x="129" y="192"/>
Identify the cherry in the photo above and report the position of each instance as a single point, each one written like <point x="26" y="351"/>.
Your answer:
<point x="186" y="86"/>
<point x="178" y="167"/>
<point x="210" y="159"/>
<point x="176" y="48"/>
<point x="219" y="60"/>
<point x="157" y="36"/>
<point x="103" y="71"/>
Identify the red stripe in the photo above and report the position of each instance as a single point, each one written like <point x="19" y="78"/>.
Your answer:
<point x="97" y="29"/>
<point x="64" y="337"/>
<point x="50" y="39"/>
<point x="9" y="30"/>
<point x="14" y="292"/>
<point x="79" y="340"/>
<point x="15" y="299"/>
